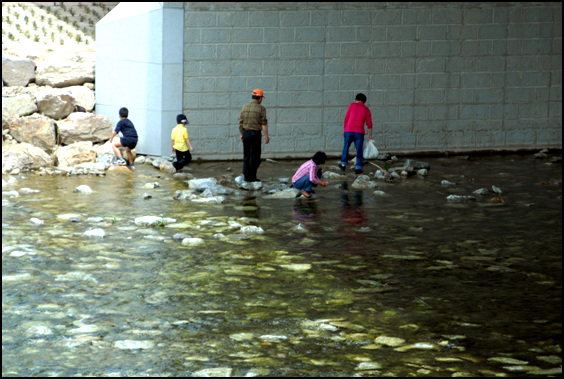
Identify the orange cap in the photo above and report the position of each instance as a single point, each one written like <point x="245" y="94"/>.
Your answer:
<point x="258" y="92"/>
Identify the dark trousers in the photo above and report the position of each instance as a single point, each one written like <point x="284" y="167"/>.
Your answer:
<point x="182" y="159"/>
<point x="251" y="154"/>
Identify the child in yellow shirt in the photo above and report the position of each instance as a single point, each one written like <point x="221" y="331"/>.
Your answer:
<point x="180" y="143"/>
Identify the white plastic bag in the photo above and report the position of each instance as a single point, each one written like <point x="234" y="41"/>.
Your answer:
<point x="370" y="151"/>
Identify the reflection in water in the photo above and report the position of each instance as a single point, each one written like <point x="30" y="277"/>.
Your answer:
<point x="352" y="211"/>
<point x="305" y="210"/>
<point x="403" y="285"/>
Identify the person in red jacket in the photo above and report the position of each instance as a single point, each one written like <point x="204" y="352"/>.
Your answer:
<point x="357" y="115"/>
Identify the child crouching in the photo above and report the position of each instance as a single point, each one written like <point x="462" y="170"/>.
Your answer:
<point x="309" y="174"/>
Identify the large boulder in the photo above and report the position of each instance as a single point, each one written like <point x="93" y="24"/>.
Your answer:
<point x="80" y="126"/>
<point x="20" y="105"/>
<point x="23" y="156"/>
<point x="6" y="118"/>
<point x="64" y="74"/>
<point x="36" y="129"/>
<point x="84" y="97"/>
<point x="55" y="103"/>
<point x="16" y="71"/>
<point x="80" y="152"/>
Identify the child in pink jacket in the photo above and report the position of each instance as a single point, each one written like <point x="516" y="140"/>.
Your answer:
<point x="357" y="115"/>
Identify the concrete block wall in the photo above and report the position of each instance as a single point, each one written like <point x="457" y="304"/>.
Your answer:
<point x="439" y="77"/>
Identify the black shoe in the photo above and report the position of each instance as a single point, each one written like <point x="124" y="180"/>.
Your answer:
<point x="342" y="167"/>
<point x="357" y="172"/>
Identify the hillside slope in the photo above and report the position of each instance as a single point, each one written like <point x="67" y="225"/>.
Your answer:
<point x="37" y="30"/>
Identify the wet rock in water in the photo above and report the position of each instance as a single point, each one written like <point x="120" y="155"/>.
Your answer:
<point x="86" y="329"/>
<point x="73" y="217"/>
<point x="192" y="241"/>
<point x="459" y="198"/>
<point x="299" y="228"/>
<point x="249" y="186"/>
<point x="35" y="220"/>
<point x="389" y="341"/>
<point x="368" y="366"/>
<point x="273" y="338"/>
<point x="95" y="233"/>
<point x="508" y="361"/>
<point x="241" y="336"/>
<point x="418" y="345"/>
<point x="132" y="344"/>
<point x="251" y="230"/>
<point x="288" y="193"/>
<point x="147" y="196"/>
<point x="183" y="195"/>
<point x="28" y="190"/>
<point x="446" y="183"/>
<point x="82" y="189"/>
<point x="209" y="187"/>
<point x="219" y="372"/>
<point x="153" y="221"/>
<point x="152" y="185"/>
<point x="119" y="169"/>
<point x="416" y="165"/>
<point x="297" y="267"/>
<point x="364" y="182"/>
<point x="481" y="191"/>
<point x="39" y="330"/>
<point x="208" y="200"/>
<point x="330" y="175"/>
<point x="12" y="193"/>
<point x="497" y="190"/>
<point x="380" y="193"/>
<point x="423" y="172"/>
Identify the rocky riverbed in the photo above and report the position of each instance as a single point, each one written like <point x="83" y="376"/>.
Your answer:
<point x="140" y="273"/>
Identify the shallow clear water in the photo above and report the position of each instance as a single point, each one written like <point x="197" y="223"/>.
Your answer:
<point x="464" y="289"/>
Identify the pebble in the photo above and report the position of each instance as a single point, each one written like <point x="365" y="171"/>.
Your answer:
<point x="82" y="189"/>
<point x="95" y="233"/>
<point x="132" y="344"/>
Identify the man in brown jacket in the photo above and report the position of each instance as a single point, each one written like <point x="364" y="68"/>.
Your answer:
<point x="252" y="122"/>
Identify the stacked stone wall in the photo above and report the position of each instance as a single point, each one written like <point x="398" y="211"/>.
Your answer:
<point x="439" y="77"/>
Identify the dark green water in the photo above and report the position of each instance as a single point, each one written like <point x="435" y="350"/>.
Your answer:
<point x="407" y="284"/>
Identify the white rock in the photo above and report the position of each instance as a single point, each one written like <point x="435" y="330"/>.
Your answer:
<point x="458" y="198"/>
<point x="251" y="229"/>
<point x="95" y="233"/>
<point x="152" y="185"/>
<point x="219" y="372"/>
<point x="131" y="344"/>
<point x="36" y="221"/>
<point x="300" y="228"/>
<point x="192" y="241"/>
<point x="83" y="189"/>
<point x="40" y="330"/>
<point x="153" y="220"/>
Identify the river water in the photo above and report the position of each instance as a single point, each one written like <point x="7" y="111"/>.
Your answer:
<point x="350" y="283"/>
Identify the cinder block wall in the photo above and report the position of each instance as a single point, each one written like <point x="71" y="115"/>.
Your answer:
<point x="439" y="77"/>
